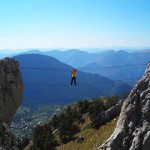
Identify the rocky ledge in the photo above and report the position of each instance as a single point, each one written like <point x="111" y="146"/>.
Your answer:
<point x="133" y="128"/>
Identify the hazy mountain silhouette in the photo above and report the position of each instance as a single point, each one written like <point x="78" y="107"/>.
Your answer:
<point x="58" y="77"/>
<point x="98" y="61"/>
<point x="118" y="59"/>
<point x="73" y="57"/>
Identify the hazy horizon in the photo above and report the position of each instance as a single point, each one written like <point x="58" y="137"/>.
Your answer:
<point x="89" y="50"/>
<point x="77" y="48"/>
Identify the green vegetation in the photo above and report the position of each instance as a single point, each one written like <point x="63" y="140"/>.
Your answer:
<point x="92" y="137"/>
<point x="46" y="140"/>
<point x="77" y="118"/>
<point x="95" y="109"/>
<point x="27" y="119"/>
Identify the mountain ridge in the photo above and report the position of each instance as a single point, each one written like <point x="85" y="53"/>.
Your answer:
<point x="98" y="61"/>
<point x="89" y="85"/>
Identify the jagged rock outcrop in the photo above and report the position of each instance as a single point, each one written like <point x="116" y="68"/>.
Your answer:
<point x="109" y="114"/>
<point x="11" y="89"/>
<point x="133" y="128"/>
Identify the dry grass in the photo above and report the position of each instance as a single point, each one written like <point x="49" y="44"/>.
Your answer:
<point x="93" y="138"/>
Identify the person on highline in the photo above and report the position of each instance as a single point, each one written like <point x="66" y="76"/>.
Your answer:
<point x="73" y="76"/>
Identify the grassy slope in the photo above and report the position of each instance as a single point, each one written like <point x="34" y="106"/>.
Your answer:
<point x="93" y="138"/>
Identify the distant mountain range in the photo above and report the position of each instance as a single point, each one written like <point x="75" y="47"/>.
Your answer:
<point x="73" y="57"/>
<point x="125" y="65"/>
<point x="47" y="80"/>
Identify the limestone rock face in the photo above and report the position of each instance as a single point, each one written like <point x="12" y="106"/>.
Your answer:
<point x="133" y="128"/>
<point x="11" y="89"/>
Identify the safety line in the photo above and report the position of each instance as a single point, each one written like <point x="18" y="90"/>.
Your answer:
<point x="38" y="68"/>
<point x="63" y="85"/>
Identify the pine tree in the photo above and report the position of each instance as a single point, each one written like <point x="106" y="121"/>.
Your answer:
<point x="43" y="138"/>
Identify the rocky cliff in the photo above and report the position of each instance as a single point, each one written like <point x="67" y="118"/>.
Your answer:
<point x="133" y="128"/>
<point x="11" y="89"/>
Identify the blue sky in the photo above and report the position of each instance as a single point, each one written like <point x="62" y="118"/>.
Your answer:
<point x="74" y="23"/>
